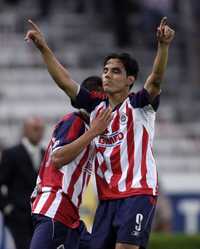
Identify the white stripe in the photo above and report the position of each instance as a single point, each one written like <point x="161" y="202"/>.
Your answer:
<point x="54" y="205"/>
<point x="100" y="160"/>
<point x="42" y="201"/>
<point x="108" y="173"/>
<point x="106" y="155"/>
<point x="151" y="170"/>
<point x="38" y="180"/>
<point x="137" y="155"/>
<point x="68" y="171"/>
<point x="124" y="162"/>
<point x="78" y="88"/>
<point x="46" y="189"/>
<point x="77" y="190"/>
<point x="57" y="148"/>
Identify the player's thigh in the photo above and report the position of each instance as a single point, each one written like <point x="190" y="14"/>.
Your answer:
<point x="126" y="246"/>
<point x="48" y="234"/>
<point x="103" y="235"/>
<point x="42" y="235"/>
<point x="85" y="236"/>
<point x="134" y="220"/>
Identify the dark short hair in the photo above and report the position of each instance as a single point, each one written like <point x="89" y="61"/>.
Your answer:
<point x="92" y="83"/>
<point x="130" y="64"/>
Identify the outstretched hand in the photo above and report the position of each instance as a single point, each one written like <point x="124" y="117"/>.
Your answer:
<point x="34" y="34"/>
<point x="165" y="34"/>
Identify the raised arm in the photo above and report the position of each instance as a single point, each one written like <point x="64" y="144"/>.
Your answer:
<point x="60" y="75"/>
<point x="165" y="36"/>
<point x="69" y="152"/>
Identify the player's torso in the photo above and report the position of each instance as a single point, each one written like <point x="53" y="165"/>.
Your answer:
<point x="124" y="159"/>
<point x="72" y="178"/>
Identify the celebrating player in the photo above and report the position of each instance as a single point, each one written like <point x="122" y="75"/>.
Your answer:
<point x="125" y="167"/>
<point x="62" y="181"/>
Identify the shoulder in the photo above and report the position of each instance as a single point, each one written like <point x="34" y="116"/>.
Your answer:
<point x="104" y="103"/>
<point x="14" y="148"/>
<point x="142" y="99"/>
<point x="88" y="100"/>
<point x="10" y="153"/>
<point x="68" y="119"/>
<point x="71" y="123"/>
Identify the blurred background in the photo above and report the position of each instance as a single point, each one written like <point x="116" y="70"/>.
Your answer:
<point x="81" y="33"/>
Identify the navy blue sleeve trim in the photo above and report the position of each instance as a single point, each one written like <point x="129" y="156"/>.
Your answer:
<point x="156" y="102"/>
<point x="142" y="99"/>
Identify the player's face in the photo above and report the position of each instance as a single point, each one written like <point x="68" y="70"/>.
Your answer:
<point x="114" y="77"/>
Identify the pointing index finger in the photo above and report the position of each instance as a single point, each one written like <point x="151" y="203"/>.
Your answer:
<point x="163" y="21"/>
<point x="34" y="26"/>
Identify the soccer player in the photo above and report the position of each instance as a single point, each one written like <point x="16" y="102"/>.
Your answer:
<point x="63" y="177"/>
<point x="125" y="167"/>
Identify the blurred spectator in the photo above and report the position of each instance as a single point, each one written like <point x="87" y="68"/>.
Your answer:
<point x="19" y="166"/>
<point x="163" y="214"/>
<point x="6" y="240"/>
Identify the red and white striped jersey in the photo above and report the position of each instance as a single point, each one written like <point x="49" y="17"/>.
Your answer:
<point x="124" y="162"/>
<point x="58" y="192"/>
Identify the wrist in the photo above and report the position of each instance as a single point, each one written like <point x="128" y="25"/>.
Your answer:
<point x="92" y="133"/>
<point x="44" y="49"/>
<point x="163" y="45"/>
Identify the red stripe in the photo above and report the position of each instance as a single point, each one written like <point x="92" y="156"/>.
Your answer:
<point x="100" y="150"/>
<point x="74" y="129"/>
<point x="115" y="156"/>
<point x="77" y="173"/>
<point x="45" y="159"/>
<point x="145" y="138"/>
<point x="82" y="188"/>
<point x="103" y="166"/>
<point x="130" y="146"/>
<point x="48" y="203"/>
<point x="67" y="213"/>
<point x="61" y="209"/>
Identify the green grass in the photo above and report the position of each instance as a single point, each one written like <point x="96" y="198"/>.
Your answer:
<point x="175" y="241"/>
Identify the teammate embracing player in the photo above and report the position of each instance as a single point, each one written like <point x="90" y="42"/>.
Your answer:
<point x="63" y="176"/>
<point x="124" y="164"/>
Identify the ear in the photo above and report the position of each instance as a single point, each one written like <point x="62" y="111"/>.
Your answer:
<point x="131" y="80"/>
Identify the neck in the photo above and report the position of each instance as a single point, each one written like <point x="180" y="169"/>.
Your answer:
<point x="116" y="99"/>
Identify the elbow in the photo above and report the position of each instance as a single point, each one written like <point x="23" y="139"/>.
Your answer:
<point x="56" y="162"/>
<point x="157" y="78"/>
<point x="59" y="161"/>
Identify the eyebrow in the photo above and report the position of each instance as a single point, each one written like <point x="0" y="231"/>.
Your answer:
<point x="113" y="68"/>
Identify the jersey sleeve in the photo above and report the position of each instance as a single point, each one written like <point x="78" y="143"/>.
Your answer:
<point x="67" y="131"/>
<point x="87" y="100"/>
<point x="142" y="99"/>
